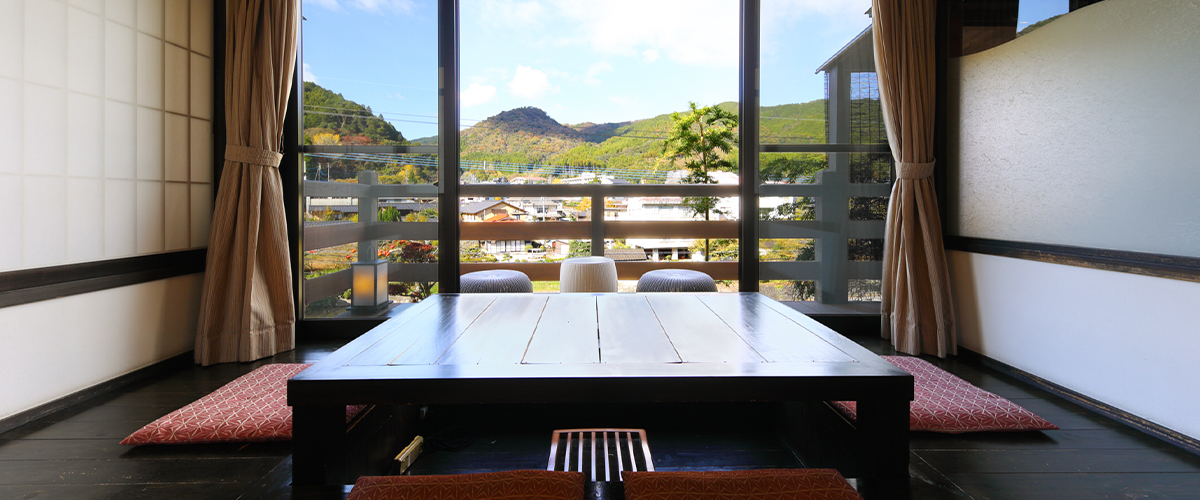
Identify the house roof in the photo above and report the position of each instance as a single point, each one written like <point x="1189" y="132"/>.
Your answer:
<point x="479" y="206"/>
<point x="497" y="218"/>
<point x="857" y="51"/>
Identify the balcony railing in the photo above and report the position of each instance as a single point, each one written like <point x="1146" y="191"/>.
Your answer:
<point x="831" y="269"/>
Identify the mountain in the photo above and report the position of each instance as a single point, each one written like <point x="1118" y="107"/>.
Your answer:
<point x="326" y="112"/>
<point x="521" y="135"/>
<point x="530" y="136"/>
<point x="528" y="141"/>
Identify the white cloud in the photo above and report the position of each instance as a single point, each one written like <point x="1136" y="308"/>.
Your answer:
<point x="529" y="83"/>
<point x="478" y="94"/>
<point x="308" y="75"/>
<point x="700" y="32"/>
<point x="694" y="33"/>
<point x="513" y="13"/>
<point x="840" y="21"/>
<point x="589" y="77"/>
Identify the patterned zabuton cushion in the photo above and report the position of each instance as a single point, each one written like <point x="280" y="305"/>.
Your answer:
<point x="945" y="403"/>
<point x="525" y="484"/>
<point x="783" y="484"/>
<point x="251" y="408"/>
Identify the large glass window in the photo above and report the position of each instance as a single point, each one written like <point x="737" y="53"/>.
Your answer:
<point x="587" y="128"/>
<point x="370" y="122"/>
<point x="568" y="117"/>
<point x="825" y="166"/>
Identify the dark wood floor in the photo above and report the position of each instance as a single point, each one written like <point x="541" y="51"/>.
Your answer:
<point x="74" y="454"/>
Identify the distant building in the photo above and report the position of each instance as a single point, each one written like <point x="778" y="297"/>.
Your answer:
<point x="486" y="211"/>
<point x="527" y="179"/>
<point x="592" y="178"/>
<point x="660" y="250"/>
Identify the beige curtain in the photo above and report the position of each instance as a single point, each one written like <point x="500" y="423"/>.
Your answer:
<point x="917" y="314"/>
<point x="246" y="310"/>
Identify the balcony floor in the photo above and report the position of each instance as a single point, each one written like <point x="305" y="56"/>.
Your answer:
<point x="73" y="454"/>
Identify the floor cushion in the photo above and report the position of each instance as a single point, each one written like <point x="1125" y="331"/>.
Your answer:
<point x="251" y="408"/>
<point x="781" y="484"/>
<point x="517" y="484"/>
<point x="946" y="403"/>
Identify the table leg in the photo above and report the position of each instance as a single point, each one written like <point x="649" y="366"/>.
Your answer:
<point x="318" y="445"/>
<point x="882" y="448"/>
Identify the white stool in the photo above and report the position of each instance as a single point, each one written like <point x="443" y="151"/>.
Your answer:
<point x="496" y="281"/>
<point x="587" y="274"/>
<point x="676" y="280"/>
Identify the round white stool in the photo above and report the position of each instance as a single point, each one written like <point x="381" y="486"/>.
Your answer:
<point x="676" y="280"/>
<point x="587" y="274"/>
<point x="497" y="281"/>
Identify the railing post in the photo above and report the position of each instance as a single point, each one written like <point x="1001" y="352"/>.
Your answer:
<point x="368" y="212"/>
<point x="597" y="225"/>
<point x="833" y="206"/>
<point x="368" y="281"/>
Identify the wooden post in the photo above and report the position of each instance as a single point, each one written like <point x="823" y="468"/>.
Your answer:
<point x="368" y="212"/>
<point x="318" y="445"/>
<point x="597" y="225"/>
<point x="881" y="448"/>
<point x="833" y="206"/>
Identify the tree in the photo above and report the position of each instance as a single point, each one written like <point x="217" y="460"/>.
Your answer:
<point x="580" y="248"/>
<point x="415" y="252"/>
<point x="701" y="139"/>
<point x="327" y="139"/>
<point x="470" y="252"/>
<point x="389" y="214"/>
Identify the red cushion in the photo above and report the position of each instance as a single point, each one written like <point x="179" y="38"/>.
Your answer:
<point x="945" y="403"/>
<point x="517" y="484"/>
<point x="251" y="408"/>
<point x="782" y="484"/>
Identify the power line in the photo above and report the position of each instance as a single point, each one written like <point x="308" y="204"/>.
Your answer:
<point x="368" y="114"/>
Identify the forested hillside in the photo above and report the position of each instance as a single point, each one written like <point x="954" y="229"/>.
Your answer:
<point x="528" y="141"/>
<point x="529" y="136"/>
<point x="330" y="119"/>
<point x="328" y="113"/>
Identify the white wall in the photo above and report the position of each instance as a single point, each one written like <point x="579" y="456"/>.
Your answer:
<point x="53" y="348"/>
<point x="1124" y="339"/>
<point x="1083" y="133"/>
<point x="105" y="152"/>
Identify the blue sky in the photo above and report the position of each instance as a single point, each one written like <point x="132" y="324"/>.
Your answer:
<point x="579" y="60"/>
<point x="1032" y="11"/>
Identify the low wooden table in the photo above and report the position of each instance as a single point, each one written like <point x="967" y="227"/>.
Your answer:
<point x="588" y="348"/>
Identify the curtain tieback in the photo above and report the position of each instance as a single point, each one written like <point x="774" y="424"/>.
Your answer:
<point x="253" y="156"/>
<point x="914" y="170"/>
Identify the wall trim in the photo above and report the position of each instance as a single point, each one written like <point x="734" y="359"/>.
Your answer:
<point x="34" y="285"/>
<point x="41" y="411"/>
<point x="1169" y="436"/>
<point x="1146" y="264"/>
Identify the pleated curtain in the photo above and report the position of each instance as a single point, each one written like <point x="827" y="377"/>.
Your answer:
<point x="917" y="313"/>
<point x="246" y="310"/>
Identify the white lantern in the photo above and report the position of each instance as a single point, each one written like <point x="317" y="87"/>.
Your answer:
<point x="368" y="290"/>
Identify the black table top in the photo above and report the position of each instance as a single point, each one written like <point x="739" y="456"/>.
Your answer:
<point x="480" y="348"/>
